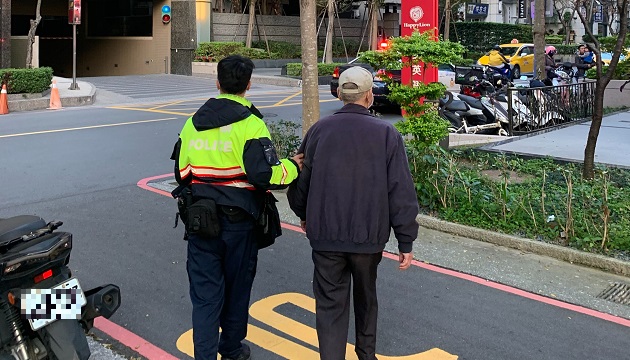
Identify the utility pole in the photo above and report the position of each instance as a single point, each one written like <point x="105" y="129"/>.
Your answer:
<point x="374" y="25"/>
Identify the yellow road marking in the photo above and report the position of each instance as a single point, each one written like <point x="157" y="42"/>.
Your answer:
<point x="288" y="98"/>
<point x="170" y="112"/>
<point x="264" y="311"/>
<point x="168" y="104"/>
<point x="85" y="127"/>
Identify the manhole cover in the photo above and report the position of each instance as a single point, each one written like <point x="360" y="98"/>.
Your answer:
<point x="617" y="292"/>
<point x="268" y="115"/>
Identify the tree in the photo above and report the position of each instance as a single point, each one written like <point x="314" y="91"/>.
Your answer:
<point x="422" y="121"/>
<point x="565" y="10"/>
<point x="310" y="88"/>
<point x="31" y="35"/>
<point x="329" y="31"/>
<point x="539" y="40"/>
<point x="603" y="79"/>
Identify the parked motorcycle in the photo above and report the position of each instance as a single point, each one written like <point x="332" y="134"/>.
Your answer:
<point x="469" y="115"/>
<point x="45" y="313"/>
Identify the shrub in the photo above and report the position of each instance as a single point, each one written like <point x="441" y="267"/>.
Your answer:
<point x="481" y="36"/>
<point x="27" y="80"/>
<point x="284" y="135"/>
<point x="351" y="45"/>
<point x="216" y="51"/>
<point x="283" y="49"/>
<point x="622" y="71"/>
<point x="295" y="69"/>
<point x="554" y="39"/>
<point x="537" y="199"/>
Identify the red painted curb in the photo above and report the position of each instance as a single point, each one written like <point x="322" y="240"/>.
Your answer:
<point x="152" y="352"/>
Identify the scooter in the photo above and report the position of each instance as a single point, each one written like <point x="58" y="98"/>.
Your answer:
<point x="469" y="115"/>
<point x="45" y="313"/>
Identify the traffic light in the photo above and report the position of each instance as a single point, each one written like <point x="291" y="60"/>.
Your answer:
<point x="166" y="14"/>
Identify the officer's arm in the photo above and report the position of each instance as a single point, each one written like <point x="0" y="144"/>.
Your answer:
<point x="298" y="190"/>
<point x="261" y="164"/>
<point x="175" y="156"/>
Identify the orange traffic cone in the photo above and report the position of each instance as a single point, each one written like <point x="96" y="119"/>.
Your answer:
<point x="55" y="100"/>
<point x="4" y="101"/>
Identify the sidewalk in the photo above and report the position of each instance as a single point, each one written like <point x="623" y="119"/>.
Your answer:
<point x="85" y="95"/>
<point x="542" y="275"/>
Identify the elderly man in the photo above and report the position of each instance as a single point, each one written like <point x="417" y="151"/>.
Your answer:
<point x="355" y="186"/>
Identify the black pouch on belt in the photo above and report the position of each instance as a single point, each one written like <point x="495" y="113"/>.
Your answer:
<point x="203" y="219"/>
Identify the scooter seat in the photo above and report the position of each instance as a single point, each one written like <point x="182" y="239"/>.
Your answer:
<point x="474" y="103"/>
<point x="457" y="105"/>
<point x="17" y="226"/>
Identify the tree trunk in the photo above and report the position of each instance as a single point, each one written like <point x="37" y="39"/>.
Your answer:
<point x="329" y="31"/>
<point x="603" y="79"/>
<point x="31" y="35"/>
<point x="252" y="19"/>
<point x="591" y="143"/>
<point x="539" y="40"/>
<point x="310" y="88"/>
<point x="374" y="26"/>
<point x="5" y="33"/>
<point x="447" y="19"/>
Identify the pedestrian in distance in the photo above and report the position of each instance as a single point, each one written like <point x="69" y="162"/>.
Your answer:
<point x="584" y="60"/>
<point x="225" y="163"/>
<point x="355" y="186"/>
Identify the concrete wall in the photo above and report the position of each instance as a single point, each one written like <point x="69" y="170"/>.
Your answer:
<point x="281" y="28"/>
<point x="18" y="51"/>
<point x="126" y="55"/>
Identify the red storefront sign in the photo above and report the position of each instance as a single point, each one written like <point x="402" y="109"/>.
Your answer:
<point x="420" y="15"/>
<point x="74" y="12"/>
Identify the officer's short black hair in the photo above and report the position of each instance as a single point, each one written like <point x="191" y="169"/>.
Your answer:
<point x="234" y="73"/>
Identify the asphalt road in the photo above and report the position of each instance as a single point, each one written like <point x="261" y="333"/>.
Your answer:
<point x="82" y="166"/>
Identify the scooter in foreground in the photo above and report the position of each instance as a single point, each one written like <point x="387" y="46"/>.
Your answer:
<point x="44" y="311"/>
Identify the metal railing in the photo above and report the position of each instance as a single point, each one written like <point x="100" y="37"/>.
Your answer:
<point x="539" y="108"/>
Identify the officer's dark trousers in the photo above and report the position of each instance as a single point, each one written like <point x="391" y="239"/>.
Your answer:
<point x="221" y="272"/>
<point x="331" y="286"/>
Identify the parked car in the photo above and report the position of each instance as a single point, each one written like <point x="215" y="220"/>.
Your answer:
<point x="521" y="58"/>
<point x="446" y="76"/>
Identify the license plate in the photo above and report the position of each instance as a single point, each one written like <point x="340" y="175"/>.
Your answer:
<point x="44" y="306"/>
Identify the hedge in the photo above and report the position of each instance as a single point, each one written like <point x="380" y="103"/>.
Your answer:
<point x="28" y="81"/>
<point x="481" y="36"/>
<point x="295" y="69"/>
<point x="284" y="49"/>
<point x="215" y="51"/>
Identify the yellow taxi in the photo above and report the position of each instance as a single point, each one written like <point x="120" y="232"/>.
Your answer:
<point x="521" y="58"/>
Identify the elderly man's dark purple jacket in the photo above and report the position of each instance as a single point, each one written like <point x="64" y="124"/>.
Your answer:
<point x="355" y="185"/>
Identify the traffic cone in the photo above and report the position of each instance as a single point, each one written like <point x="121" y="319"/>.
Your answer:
<point x="4" y="101"/>
<point x="55" y="100"/>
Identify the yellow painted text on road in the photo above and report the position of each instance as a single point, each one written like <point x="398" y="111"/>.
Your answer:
<point x="265" y="311"/>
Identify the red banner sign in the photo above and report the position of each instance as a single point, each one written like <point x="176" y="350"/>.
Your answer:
<point x="74" y="12"/>
<point x="420" y="15"/>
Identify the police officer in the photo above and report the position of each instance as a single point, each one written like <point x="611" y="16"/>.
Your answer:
<point x="224" y="156"/>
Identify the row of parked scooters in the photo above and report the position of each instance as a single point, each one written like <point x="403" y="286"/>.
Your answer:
<point x="481" y="106"/>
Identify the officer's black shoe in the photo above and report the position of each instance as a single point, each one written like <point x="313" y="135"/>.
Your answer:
<point x="245" y="354"/>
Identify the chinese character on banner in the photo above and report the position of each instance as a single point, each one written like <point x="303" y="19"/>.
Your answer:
<point x="74" y="12"/>
<point x="416" y="70"/>
<point x="416" y="83"/>
<point x="422" y="16"/>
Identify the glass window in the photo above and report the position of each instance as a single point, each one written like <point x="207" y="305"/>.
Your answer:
<point x="120" y="18"/>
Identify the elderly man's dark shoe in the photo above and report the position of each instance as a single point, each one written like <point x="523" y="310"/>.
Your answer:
<point x="244" y="355"/>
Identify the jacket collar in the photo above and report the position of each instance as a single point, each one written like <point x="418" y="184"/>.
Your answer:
<point x="354" y="108"/>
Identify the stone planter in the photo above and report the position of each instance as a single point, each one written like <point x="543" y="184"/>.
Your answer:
<point x="209" y="68"/>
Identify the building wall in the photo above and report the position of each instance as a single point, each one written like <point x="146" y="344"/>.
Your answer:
<point x="282" y="28"/>
<point x="101" y="56"/>
<point x="126" y="55"/>
<point x="18" y="51"/>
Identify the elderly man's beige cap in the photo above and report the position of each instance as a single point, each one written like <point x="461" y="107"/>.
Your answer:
<point x="357" y="75"/>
